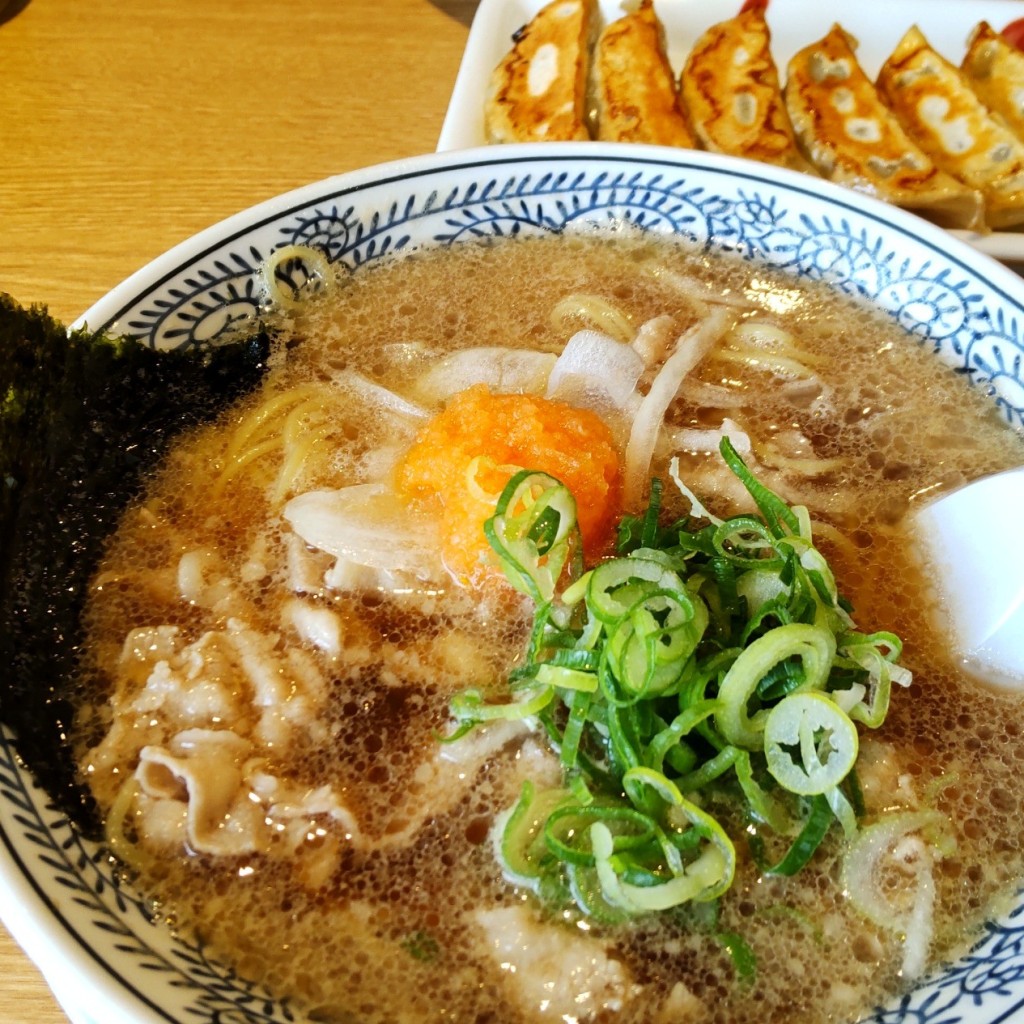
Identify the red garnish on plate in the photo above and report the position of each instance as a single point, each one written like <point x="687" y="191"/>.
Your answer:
<point x="754" y="5"/>
<point x="1014" y="33"/>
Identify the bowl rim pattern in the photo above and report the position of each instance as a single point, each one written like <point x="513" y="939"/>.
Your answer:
<point x="58" y="893"/>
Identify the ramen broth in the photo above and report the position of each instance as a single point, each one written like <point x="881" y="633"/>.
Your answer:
<point x="331" y="849"/>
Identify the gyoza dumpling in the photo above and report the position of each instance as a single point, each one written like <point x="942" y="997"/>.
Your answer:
<point x="730" y="88"/>
<point x="939" y="109"/>
<point x="995" y="70"/>
<point x="634" y="87"/>
<point x="852" y="138"/>
<point x="538" y="91"/>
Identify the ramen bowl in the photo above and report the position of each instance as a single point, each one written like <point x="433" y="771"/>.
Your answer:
<point x="95" y="940"/>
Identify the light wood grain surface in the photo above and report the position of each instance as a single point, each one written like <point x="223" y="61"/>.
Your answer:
<point x="127" y="127"/>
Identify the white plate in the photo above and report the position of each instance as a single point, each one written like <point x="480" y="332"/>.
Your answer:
<point x="877" y="24"/>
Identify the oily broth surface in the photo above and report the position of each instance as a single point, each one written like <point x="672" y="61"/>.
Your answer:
<point x="386" y="936"/>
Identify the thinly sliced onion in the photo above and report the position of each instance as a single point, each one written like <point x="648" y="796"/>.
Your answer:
<point x="643" y="437"/>
<point x="920" y="923"/>
<point x="697" y="292"/>
<point x="380" y="397"/>
<point x="804" y="467"/>
<point x="693" y="440"/>
<point x="364" y="524"/>
<point x="595" y="372"/>
<point x="712" y="396"/>
<point x="653" y="339"/>
<point x="697" y="509"/>
<point x="506" y="370"/>
<point x="862" y="862"/>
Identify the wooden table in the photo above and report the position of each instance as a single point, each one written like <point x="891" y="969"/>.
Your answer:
<point x="127" y="127"/>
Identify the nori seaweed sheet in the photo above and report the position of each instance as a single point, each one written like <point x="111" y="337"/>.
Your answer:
<point x="83" y="418"/>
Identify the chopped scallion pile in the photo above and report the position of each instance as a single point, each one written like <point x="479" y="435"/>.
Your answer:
<point x="703" y="661"/>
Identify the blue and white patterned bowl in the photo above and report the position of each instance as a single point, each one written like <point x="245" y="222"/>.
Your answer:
<point x="93" y="939"/>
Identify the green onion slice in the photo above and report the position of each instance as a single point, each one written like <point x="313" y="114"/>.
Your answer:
<point x="864" y="860"/>
<point x="520" y="834"/>
<point x="650" y="644"/>
<point x="470" y="706"/>
<point x="779" y="517"/>
<point x="746" y="542"/>
<point x="810" y="744"/>
<point x="615" y="586"/>
<point x="533" y="532"/>
<point x="813" y="646"/>
<point x="698" y="881"/>
<point x="567" y="830"/>
<point x="810" y="838"/>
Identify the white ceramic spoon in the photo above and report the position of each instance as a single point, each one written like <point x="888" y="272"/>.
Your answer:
<point x="974" y="537"/>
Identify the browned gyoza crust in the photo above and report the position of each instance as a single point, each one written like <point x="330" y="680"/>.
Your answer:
<point x="854" y="139"/>
<point x="731" y="90"/>
<point x="538" y="91"/>
<point x="995" y="71"/>
<point x="634" y="86"/>
<point x="938" y="108"/>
